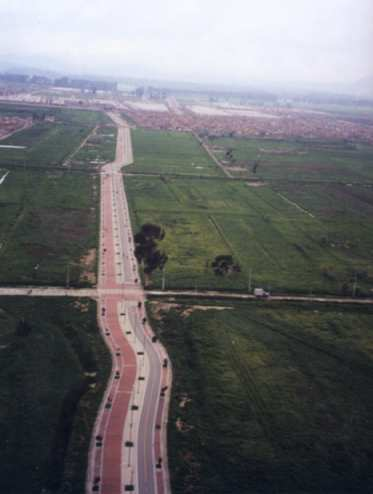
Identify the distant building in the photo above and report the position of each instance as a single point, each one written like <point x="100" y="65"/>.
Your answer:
<point x="62" y="82"/>
<point x="85" y="84"/>
<point x="149" y="92"/>
<point x="40" y="80"/>
<point x="15" y="78"/>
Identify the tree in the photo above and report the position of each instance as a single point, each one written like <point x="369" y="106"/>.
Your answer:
<point x="146" y="247"/>
<point x="224" y="264"/>
<point x="23" y="328"/>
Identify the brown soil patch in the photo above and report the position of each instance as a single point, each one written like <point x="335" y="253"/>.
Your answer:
<point x="256" y="184"/>
<point x="182" y="426"/>
<point x="159" y="307"/>
<point x="184" y="400"/>
<point x="83" y="307"/>
<point x="187" y="312"/>
<point x="88" y="263"/>
<point x="237" y="169"/>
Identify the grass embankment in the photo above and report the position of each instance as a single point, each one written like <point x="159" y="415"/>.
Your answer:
<point x="170" y="153"/>
<point x="52" y="377"/>
<point x="285" y="238"/>
<point x="269" y="398"/>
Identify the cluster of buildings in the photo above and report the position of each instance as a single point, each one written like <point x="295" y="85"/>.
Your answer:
<point x="287" y="123"/>
<point x="9" y="125"/>
<point x="62" y="82"/>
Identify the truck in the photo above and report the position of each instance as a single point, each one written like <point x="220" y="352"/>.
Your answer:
<point x="261" y="293"/>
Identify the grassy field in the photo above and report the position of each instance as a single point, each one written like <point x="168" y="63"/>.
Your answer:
<point x="48" y="228"/>
<point x="99" y="149"/>
<point x="297" y="159"/>
<point x="64" y="115"/>
<point x="277" y="242"/>
<point x="53" y="370"/>
<point x="47" y="143"/>
<point x="170" y="153"/>
<point x="269" y="398"/>
<point x="49" y="216"/>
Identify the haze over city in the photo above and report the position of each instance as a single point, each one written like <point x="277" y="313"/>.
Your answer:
<point x="239" y="42"/>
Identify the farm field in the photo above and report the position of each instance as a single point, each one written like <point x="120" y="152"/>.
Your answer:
<point x="48" y="228"/>
<point x="99" y="148"/>
<point x="63" y="115"/>
<point x="269" y="398"/>
<point x="313" y="160"/>
<point x="53" y="370"/>
<point x="54" y="135"/>
<point x="170" y="153"/>
<point x="278" y="243"/>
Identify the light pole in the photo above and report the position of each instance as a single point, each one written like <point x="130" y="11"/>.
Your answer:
<point x="249" y="281"/>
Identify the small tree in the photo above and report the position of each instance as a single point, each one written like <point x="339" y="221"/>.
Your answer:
<point x="23" y="328"/>
<point x="224" y="265"/>
<point x="146" y="248"/>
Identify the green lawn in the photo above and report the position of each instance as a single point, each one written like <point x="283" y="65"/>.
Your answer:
<point x="297" y="159"/>
<point x="51" y="380"/>
<point x="170" y="153"/>
<point x="269" y="398"/>
<point x="283" y="245"/>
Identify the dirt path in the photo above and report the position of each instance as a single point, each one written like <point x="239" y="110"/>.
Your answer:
<point x="2" y="179"/>
<point x="212" y="156"/>
<point x="247" y="296"/>
<point x="27" y="125"/>
<point x="67" y="162"/>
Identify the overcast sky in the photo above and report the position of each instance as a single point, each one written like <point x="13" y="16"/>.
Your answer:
<point x="238" y="41"/>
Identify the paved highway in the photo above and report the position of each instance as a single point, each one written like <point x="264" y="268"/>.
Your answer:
<point x="128" y="449"/>
<point x="133" y="292"/>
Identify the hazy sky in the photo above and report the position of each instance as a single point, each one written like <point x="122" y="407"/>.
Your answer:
<point x="239" y="41"/>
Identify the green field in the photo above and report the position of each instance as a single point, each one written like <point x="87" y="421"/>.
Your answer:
<point x="269" y="398"/>
<point x="48" y="144"/>
<point x="49" y="213"/>
<point x="172" y="153"/>
<point x="296" y="159"/>
<point x="278" y="243"/>
<point x="53" y="369"/>
<point x="99" y="148"/>
<point x="48" y="223"/>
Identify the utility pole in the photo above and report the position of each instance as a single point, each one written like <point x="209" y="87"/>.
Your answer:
<point x="354" y="286"/>
<point x="249" y="281"/>
<point x="163" y="279"/>
<point x="68" y="275"/>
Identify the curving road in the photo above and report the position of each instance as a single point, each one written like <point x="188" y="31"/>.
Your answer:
<point x="128" y="448"/>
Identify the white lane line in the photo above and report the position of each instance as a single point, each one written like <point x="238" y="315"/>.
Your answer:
<point x="129" y="462"/>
